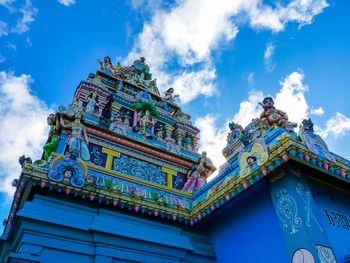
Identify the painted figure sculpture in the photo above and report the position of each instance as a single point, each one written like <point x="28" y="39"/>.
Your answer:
<point x="78" y="140"/>
<point x="199" y="173"/>
<point x="92" y="103"/>
<point x="52" y="142"/>
<point x="313" y="141"/>
<point x="146" y="124"/>
<point x="271" y="115"/>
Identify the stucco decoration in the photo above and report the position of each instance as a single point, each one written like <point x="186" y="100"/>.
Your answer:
<point x="199" y="173"/>
<point x="313" y="141"/>
<point x="254" y="155"/>
<point x="68" y="171"/>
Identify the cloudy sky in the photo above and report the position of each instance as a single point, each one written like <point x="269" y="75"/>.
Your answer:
<point x="222" y="57"/>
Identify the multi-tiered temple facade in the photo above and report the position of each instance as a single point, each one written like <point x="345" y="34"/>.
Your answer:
<point x="121" y="180"/>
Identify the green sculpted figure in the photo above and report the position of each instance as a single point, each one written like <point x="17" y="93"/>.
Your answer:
<point x="52" y="142"/>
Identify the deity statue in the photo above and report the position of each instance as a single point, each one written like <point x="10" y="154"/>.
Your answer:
<point x="78" y="139"/>
<point x="159" y="134"/>
<point x="313" y="141"/>
<point x="92" y="103"/>
<point x="146" y="124"/>
<point x="52" y="142"/>
<point x="199" y="173"/>
<point x="23" y="160"/>
<point x="107" y="66"/>
<point x="169" y="95"/>
<point x="271" y="115"/>
<point x="117" y="125"/>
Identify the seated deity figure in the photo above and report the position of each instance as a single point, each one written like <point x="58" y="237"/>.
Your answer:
<point x="199" y="173"/>
<point x="146" y="124"/>
<point x="78" y="139"/>
<point x="117" y="125"/>
<point x="271" y="115"/>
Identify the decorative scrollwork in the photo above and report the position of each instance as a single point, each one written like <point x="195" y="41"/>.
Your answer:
<point x="287" y="212"/>
<point x="326" y="254"/>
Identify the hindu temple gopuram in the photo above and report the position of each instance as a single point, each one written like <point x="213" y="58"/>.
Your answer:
<point x="121" y="179"/>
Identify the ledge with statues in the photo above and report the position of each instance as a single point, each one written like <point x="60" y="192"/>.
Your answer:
<point x="252" y="153"/>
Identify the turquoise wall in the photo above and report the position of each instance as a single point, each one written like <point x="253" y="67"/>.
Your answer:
<point x="333" y="208"/>
<point x="49" y="230"/>
<point x="247" y="230"/>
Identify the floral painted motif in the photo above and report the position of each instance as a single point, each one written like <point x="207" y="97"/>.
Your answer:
<point x="307" y="197"/>
<point x="287" y="212"/>
<point x="136" y="191"/>
<point x="133" y="167"/>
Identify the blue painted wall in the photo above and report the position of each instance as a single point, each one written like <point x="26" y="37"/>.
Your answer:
<point x="48" y="230"/>
<point x="332" y="205"/>
<point x="247" y="230"/>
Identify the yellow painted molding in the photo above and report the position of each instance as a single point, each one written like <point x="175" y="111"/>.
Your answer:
<point x="110" y="155"/>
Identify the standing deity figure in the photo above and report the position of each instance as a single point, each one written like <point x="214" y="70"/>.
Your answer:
<point x="78" y="140"/>
<point x="52" y="143"/>
<point x="106" y="66"/>
<point x="271" y="115"/>
<point x="199" y="173"/>
<point x="146" y="124"/>
<point x="92" y="103"/>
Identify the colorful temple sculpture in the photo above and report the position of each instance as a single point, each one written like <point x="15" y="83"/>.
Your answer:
<point x="121" y="180"/>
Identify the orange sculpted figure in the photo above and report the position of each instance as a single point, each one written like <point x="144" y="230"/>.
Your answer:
<point x="271" y="115"/>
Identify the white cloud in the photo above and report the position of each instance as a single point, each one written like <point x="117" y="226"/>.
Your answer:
<point x="2" y="58"/>
<point x="28" y="13"/>
<point x="250" y="78"/>
<point x="249" y="109"/>
<point x="213" y="139"/>
<point x="66" y="2"/>
<point x="336" y="126"/>
<point x="3" y="28"/>
<point x="6" y="3"/>
<point x="23" y="126"/>
<point x="269" y="64"/>
<point x="187" y="32"/>
<point x="319" y="111"/>
<point x="290" y="98"/>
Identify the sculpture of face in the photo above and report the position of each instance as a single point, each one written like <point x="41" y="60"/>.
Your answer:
<point x="268" y="102"/>
<point x="251" y="161"/>
<point x="68" y="174"/>
<point x="51" y="119"/>
<point x="107" y="60"/>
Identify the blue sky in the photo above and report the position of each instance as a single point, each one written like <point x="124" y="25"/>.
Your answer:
<point x="222" y="57"/>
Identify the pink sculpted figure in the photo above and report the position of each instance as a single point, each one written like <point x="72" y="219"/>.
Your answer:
<point x="271" y="115"/>
<point x="199" y="173"/>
